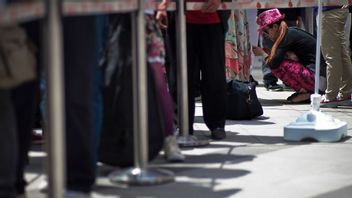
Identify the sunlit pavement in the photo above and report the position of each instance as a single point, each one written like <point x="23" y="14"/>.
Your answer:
<point x="253" y="161"/>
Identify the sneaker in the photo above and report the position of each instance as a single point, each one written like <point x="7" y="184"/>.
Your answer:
<point x="218" y="134"/>
<point x="172" y="150"/>
<point x="326" y="103"/>
<point x="344" y="101"/>
<point x="273" y="87"/>
<point x="338" y="101"/>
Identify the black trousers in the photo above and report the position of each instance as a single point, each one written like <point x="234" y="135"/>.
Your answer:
<point x="268" y="76"/>
<point x="80" y="59"/>
<point x="8" y="145"/>
<point x="206" y="60"/>
<point x="23" y="99"/>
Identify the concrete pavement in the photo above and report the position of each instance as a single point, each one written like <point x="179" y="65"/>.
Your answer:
<point x="253" y="161"/>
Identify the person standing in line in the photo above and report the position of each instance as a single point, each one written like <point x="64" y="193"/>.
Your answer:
<point x="206" y="56"/>
<point x="17" y="97"/>
<point x="336" y="54"/>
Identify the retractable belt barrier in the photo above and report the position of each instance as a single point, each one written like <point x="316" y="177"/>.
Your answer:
<point x="19" y="12"/>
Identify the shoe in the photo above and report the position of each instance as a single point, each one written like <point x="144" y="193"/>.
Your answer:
<point x="273" y="87"/>
<point x="251" y="79"/>
<point x="338" y="101"/>
<point x="218" y="134"/>
<point x="198" y="99"/>
<point x="344" y="101"/>
<point x="298" y="98"/>
<point x="37" y="137"/>
<point x="172" y="150"/>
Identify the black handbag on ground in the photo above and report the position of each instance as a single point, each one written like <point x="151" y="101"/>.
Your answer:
<point x="242" y="101"/>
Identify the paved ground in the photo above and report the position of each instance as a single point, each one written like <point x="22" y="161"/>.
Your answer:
<point x="254" y="161"/>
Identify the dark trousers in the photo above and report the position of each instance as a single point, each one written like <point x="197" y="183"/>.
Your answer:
<point x="206" y="56"/>
<point x="8" y="145"/>
<point x="16" y="119"/>
<point x="80" y="61"/>
<point x="171" y="61"/>
<point x="268" y="76"/>
<point x="23" y="99"/>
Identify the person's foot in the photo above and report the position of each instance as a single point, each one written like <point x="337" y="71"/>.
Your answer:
<point x="299" y="98"/>
<point x="273" y="87"/>
<point x="218" y="134"/>
<point x="251" y="79"/>
<point x="37" y="137"/>
<point x="172" y="150"/>
<point x="338" y="101"/>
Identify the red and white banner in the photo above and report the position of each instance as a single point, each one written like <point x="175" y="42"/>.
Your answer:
<point x="19" y="12"/>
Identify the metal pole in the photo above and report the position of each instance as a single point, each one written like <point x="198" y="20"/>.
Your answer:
<point x="182" y="78"/>
<point x="56" y="118"/>
<point x="140" y="174"/>
<point x="317" y="58"/>
<point x="182" y="81"/>
<point x="315" y="98"/>
<point x="140" y="92"/>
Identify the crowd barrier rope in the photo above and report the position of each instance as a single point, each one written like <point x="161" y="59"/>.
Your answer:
<point x="21" y="12"/>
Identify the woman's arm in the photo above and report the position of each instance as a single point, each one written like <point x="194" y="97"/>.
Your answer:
<point x="161" y="15"/>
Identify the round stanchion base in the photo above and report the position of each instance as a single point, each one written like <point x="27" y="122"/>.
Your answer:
<point x="142" y="177"/>
<point x="192" y="140"/>
<point x="317" y="126"/>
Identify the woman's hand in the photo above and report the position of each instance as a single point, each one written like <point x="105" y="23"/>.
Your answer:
<point x="161" y="15"/>
<point x="292" y="56"/>
<point x="258" y="51"/>
<point x="210" y="6"/>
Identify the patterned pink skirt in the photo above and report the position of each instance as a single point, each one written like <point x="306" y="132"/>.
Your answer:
<point x="295" y="75"/>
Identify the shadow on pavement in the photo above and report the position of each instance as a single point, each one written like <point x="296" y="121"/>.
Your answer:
<point x="172" y="190"/>
<point x="190" y="182"/>
<point x="271" y="102"/>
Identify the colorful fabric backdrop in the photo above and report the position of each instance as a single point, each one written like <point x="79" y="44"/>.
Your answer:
<point x="238" y="47"/>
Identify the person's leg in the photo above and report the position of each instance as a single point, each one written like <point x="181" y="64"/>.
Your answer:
<point x="80" y="60"/>
<point x="295" y="75"/>
<point x="269" y="79"/>
<point x="23" y="98"/>
<point x="8" y="146"/>
<point x="335" y="53"/>
<point x="213" y="83"/>
<point x="171" y="61"/>
<point x="155" y="59"/>
<point x="192" y="69"/>
<point x="346" y="78"/>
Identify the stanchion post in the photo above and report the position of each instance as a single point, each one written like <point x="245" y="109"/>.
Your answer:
<point x="182" y="81"/>
<point x="140" y="174"/>
<point x="140" y="92"/>
<point x="315" y="98"/>
<point x="56" y="118"/>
